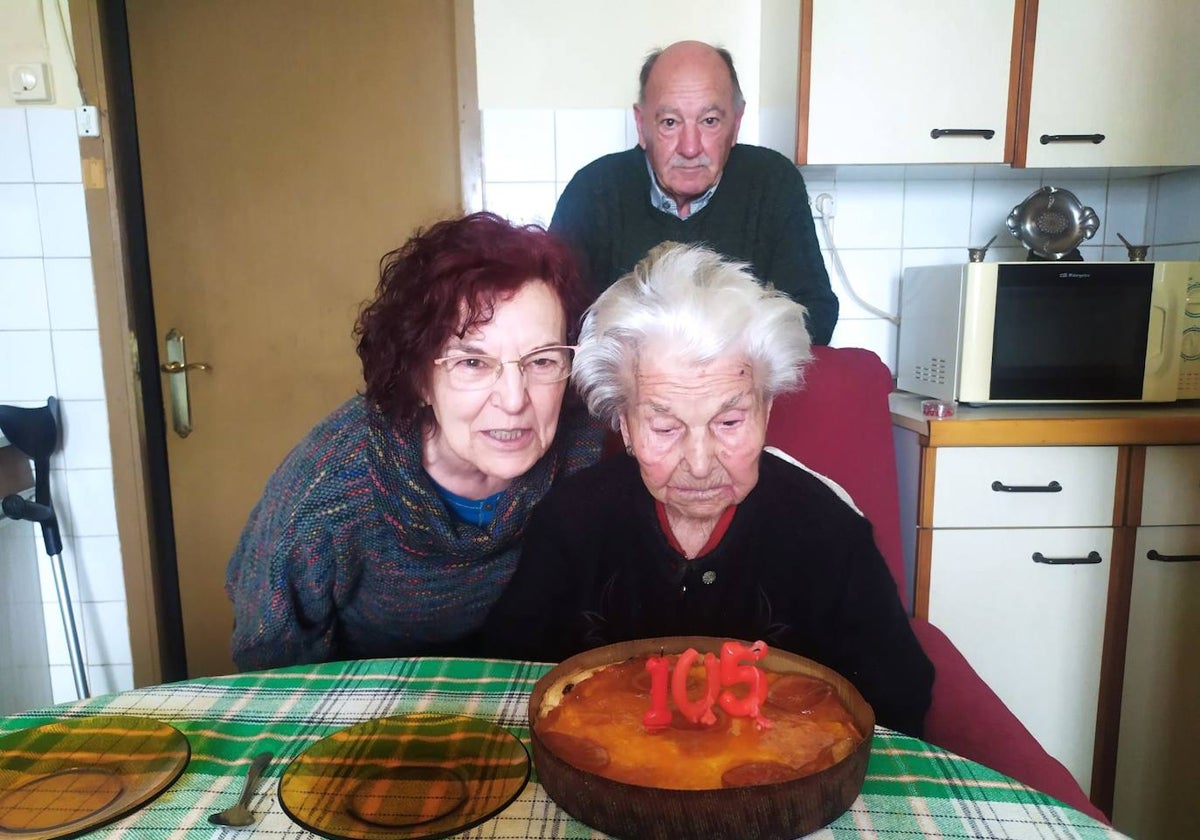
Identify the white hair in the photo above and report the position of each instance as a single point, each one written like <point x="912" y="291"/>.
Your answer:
<point x="703" y="307"/>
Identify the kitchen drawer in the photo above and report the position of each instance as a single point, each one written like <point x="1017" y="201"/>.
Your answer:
<point x="966" y="491"/>
<point x="1171" y="490"/>
<point x="1033" y="631"/>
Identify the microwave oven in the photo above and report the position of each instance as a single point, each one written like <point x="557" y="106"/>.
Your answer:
<point x="1051" y="332"/>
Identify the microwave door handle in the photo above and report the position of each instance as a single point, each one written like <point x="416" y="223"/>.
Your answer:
<point x="1156" y="342"/>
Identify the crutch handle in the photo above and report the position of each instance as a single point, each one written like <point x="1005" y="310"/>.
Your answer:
<point x="18" y="507"/>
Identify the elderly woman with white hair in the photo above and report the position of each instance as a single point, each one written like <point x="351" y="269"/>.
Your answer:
<point x="702" y="531"/>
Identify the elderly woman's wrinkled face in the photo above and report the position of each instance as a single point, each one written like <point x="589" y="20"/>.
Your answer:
<point x="697" y="432"/>
<point x="485" y="437"/>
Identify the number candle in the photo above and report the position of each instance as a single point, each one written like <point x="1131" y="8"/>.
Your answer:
<point x="658" y="716"/>
<point x="732" y="673"/>
<point x="696" y="711"/>
<point x="726" y="672"/>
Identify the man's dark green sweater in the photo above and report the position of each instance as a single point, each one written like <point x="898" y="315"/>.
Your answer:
<point x="759" y="215"/>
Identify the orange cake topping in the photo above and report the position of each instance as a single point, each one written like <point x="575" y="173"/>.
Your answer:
<point x="728" y="724"/>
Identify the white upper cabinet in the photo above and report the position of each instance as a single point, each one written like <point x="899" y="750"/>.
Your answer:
<point x="886" y="77"/>
<point x="1057" y="83"/>
<point x="1125" y="69"/>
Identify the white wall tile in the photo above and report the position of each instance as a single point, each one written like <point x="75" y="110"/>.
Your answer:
<point x="1125" y="212"/>
<point x="62" y="683"/>
<point x="110" y="678"/>
<point x="20" y="235"/>
<point x="870" y="214"/>
<point x="85" y="443"/>
<point x="931" y="256"/>
<point x="29" y="373"/>
<point x="93" y="512"/>
<point x="22" y="295"/>
<point x="522" y="203"/>
<point x="582" y="135"/>
<point x="875" y="277"/>
<point x="77" y="364"/>
<point x="991" y="203"/>
<point x="71" y="293"/>
<point x="518" y="144"/>
<point x="875" y="334"/>
<point x="15" y="164"/>
<point x="54" y="145"/>
<point x="1175" y="252"/>
<point x="107" y="633"/>
<point x="631" y="129"/>
<point x="937" y="214"/>
<point x="1177" y="214"/>
<point x="98" y="566"/>
<point x="46" y="570"/>
<point x="63" y="218"/>
<point x="57" y="650"/>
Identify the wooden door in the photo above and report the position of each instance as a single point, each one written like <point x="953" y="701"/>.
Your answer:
<point x="285" y="145"/>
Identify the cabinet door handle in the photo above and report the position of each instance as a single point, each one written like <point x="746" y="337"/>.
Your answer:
<point x="1052" y="487"/>
<point x="1092" y="557"/>
<point x="1172" y="558"/>
<point x="1072" y="138"/>
<point x="985" y="133"/>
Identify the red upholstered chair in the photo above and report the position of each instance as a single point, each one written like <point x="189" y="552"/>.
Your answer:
<point x="840" y="426"/>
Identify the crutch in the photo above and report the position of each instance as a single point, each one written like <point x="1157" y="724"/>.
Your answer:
<point x="34" y="431"/>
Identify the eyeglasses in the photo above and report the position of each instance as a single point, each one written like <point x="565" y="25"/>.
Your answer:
<point x="543" y="366"/>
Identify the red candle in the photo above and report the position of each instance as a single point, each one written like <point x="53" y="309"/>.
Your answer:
<point x="658" y="716"/>
<point x="732" y="673"/>
<point x="696" y="711"/>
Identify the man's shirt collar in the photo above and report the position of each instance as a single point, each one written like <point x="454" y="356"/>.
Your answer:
<point x="661" y="201"/>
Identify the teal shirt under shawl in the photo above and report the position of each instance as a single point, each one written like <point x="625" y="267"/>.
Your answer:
<point x="352" y="553"/>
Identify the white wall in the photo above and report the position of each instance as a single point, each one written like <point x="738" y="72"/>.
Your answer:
<point x="548" y="110"/>
<point x="50" y="346"/>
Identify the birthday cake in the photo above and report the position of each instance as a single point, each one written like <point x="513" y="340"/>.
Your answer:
<point x="692" y="721"/>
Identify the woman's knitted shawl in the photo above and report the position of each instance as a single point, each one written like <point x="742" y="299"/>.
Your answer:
<point x="352" y="552"/>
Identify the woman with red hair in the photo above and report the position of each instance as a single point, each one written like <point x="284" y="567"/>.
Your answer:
<point x="391" y="529"/>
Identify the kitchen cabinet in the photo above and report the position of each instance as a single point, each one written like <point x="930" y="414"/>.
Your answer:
<point x="1020" y="552"/>
<point x="1065" y="84"/>
<point x="1157" y="778"/>
<point x="885" y="77"/>
<point x="1098" y="659"/>
<point x="1124" y="69"/>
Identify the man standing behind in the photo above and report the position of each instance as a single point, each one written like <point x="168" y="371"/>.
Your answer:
<point x="688" y="180"/>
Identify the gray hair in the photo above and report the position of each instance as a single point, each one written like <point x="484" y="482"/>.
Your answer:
<point x="739" y="100"/>
<point x="704" y="307"/>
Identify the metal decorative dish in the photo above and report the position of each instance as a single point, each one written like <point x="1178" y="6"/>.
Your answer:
<point x="1052" y="222"/>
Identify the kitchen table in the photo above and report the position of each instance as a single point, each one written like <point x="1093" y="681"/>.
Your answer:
<point x="912" y="789"/>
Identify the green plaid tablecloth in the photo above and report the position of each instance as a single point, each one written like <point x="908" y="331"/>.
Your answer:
<point x="912" y="789"/>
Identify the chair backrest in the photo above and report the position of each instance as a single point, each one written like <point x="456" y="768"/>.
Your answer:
<point x="840" y="425"/>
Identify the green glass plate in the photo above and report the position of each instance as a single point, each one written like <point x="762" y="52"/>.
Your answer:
<point x="76" y="774"/>
<point x="411" y="777"/>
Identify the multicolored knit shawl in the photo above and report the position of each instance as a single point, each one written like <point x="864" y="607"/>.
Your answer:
<point x="353" y="553"/>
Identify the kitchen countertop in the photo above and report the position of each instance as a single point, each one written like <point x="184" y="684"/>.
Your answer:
<point x="1040" y="425"/>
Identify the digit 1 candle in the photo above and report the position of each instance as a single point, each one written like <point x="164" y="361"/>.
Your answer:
<point x="658" y="716"/>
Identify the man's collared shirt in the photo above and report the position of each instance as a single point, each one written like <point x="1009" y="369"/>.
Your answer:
<point x="666" y="204"/>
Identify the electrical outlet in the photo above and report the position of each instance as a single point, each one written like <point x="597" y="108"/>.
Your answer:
<point x="29" y="82"/>
<point x="825" y="205"/>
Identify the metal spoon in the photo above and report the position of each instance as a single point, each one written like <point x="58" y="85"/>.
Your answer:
<point x="239" y="815"/>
